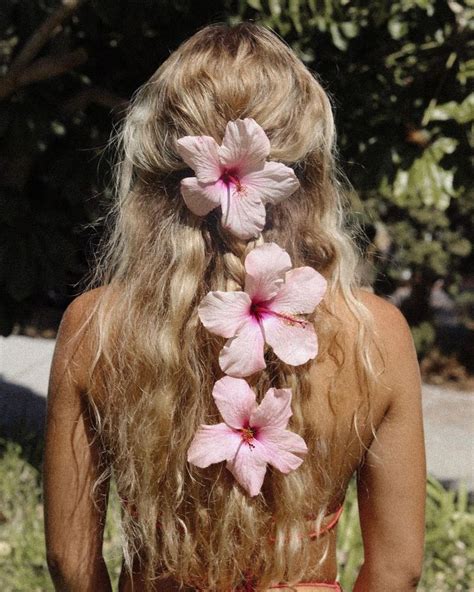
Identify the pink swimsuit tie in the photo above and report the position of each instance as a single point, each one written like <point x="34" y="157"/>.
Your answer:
<point x="249" y="585"/>
<point x="322" y="585"/>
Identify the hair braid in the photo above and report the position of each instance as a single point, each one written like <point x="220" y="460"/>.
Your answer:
<point x="234" y="263"/>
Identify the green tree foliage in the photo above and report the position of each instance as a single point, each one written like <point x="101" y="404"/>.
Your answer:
<point x="398" y="73"/>
<point x="68" y="69"/>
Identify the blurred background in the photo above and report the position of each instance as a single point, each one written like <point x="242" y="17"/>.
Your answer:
<point x="399" y="75"/>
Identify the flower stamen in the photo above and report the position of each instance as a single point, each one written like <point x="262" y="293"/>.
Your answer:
<point x="291" y="320"/>
<point x="248" y="435"/>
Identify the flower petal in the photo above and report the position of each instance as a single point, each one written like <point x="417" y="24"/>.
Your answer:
<point x="222" y="313"/>
<point x="201" y="154"/>
<point x="249" y="466"/>
<point x="265" y="267"/>
<point x="245" y="146"/>
<point x="201" y="198"/>
<point x="235" y="401"/>
<point x="243" y="354"/>
<point x="281" y="446"/>
<point x="213" y="444"/>
<point x="273" y="183"/>
<point x="302" y="291"/>
<point x="293" y="342"/>
<point x="243" y="212"/>
<point x="274" y="410"/>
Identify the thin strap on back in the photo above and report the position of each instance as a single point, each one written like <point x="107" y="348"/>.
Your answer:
<point x="331" y="524"/>
<point x="321" y="585"/>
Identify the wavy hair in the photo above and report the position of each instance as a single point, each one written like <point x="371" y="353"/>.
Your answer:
<point x="155" y="364"/>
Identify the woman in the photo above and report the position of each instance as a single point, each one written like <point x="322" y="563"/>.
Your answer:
<point x="144" y="387"/>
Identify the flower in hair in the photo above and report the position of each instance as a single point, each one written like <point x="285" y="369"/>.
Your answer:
<point x="268" y="311"/>
<point x="235" y="176"/>
<point x="251" y="436"/>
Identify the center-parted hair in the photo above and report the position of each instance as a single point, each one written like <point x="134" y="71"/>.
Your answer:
<point x="155" y="364"/>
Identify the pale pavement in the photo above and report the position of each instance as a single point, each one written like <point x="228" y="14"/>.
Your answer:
<point x="448" y="414"/>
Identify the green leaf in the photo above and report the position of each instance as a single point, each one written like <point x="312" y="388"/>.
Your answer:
<point x="349" y="29"/>
<point x="460" y="112"/>
<point x="397" y="28"/>
<point x="426" y="182"/>
<point x="461" y="247"/>
<point x="337" y="38"/>
<point x="275" y="8"/>
<point x="313" y="6"/>
<point x="442" y="146"/>
<point x="255" y="4"/>
<point x="294" y="11"/>
<point x="466" y="71"/>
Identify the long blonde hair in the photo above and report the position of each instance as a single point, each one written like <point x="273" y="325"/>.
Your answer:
<point x="156" y="365"/>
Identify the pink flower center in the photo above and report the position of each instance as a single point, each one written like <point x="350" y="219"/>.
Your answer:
<point x="229" y="176"/>
<point x="248" y="434"/>
<point x="260" y="310"/>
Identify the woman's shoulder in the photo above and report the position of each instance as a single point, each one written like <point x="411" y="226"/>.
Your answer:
<point x="390" y="326"/>
<point x="82" y="306"/>
<point x="382" y="319"/>
<point x="378" y="306"/>
<point x="375" y="324"/>
<point x="393" y="341"/>
<point x="75" y="339"/>
<point x="78" y="315"/>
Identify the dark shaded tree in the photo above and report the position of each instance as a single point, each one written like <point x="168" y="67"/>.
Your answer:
<point x="398" y="73"/>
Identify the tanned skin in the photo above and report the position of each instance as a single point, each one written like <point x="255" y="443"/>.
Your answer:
<point x="391" y="475"/>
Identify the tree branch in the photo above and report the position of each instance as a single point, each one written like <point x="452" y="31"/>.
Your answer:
<point x="42" y="35"/>
<point x="94" y="94"/>
<point x="22" y="71"/>
<point x="42" y="69"/>
<point x="50" y="66"/>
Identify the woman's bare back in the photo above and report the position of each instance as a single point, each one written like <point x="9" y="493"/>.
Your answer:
<point x="391" y="477"/>
<point x="396" y="396"/>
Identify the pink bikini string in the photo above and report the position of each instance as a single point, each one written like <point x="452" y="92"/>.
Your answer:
<point x="330" y="586"/>
<point x="335" y="586"/>
<point x="249" y="587"/>
<point x="327" y="528"/>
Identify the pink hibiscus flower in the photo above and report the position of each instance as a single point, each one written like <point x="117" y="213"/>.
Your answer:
<point x="268" y="311"/>
<point x="235" y="176"/>
<point x="251" y="436"/>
